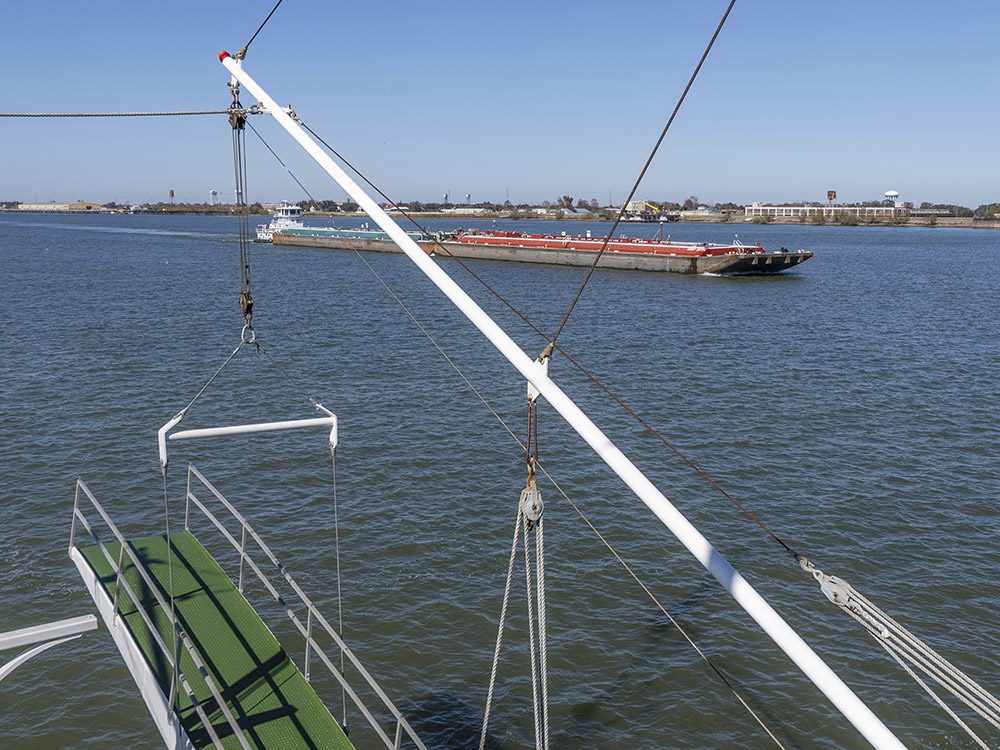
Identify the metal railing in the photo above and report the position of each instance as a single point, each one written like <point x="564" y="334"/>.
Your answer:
<point x="313" y="617"/>
<point x="171" y="656"/>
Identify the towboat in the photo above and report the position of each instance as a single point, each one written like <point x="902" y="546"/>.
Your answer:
<point x="285" y="216"/>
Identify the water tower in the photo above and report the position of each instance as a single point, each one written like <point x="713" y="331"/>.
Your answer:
<point x="893" y="196"/>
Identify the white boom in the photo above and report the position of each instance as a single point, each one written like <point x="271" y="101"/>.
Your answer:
<point x="862" y="717"/>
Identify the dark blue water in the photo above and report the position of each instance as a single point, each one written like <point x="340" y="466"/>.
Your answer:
<point x="851" y="406"/>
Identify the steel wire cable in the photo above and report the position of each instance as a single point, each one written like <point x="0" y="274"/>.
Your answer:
<point x="645" y="167"/>
<point x="562" y="351"/>
<point x="519" y="314"/>
<point x="628" y="568"/>
<point x="123" y="114"/>
<point x="264" y="23"/>
<point x="560" y="329"/>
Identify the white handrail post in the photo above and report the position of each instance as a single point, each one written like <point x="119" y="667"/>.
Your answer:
<point x="76" y="509"/>
<point x="243" y="555"/>
<point x="119" y="574"/>
<point x="309" y="630"/>
<point x="862" y="717"/>
<point x="187" y="502"/>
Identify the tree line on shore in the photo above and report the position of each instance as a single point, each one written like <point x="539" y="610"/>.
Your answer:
<point x="567" y="206"/>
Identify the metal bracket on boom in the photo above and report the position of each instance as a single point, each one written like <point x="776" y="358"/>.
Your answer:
<point x="543" y="362"/>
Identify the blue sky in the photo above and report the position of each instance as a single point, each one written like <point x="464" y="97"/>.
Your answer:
<point x="522" y="100"/>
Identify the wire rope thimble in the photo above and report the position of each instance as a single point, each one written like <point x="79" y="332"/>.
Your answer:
<point x="531" y="502"/>
<point x="248" y="335"/>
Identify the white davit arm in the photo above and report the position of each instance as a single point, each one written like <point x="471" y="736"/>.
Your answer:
<point x="866" y="722"/>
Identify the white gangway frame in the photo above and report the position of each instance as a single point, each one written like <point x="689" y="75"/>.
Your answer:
<point x="164" y="434"/>
<point x="854" y="710"/>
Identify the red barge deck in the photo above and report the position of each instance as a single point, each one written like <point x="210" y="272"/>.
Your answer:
<point x="572" y="250"/>
<point x="663" y="255"/>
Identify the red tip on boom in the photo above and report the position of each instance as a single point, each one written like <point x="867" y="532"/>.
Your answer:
<point x="223" y="55"/>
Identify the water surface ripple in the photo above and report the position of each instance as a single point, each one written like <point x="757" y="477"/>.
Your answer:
<point x="850" y="405"/>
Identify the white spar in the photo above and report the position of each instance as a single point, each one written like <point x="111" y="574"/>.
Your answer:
<point x="853" y="709"/>
<point x="164" y="434"/>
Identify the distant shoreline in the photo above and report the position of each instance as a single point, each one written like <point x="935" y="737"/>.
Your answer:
<point x="709" y="218"/>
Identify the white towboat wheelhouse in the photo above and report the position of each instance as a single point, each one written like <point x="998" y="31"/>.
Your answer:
<point x="285" y="216"/>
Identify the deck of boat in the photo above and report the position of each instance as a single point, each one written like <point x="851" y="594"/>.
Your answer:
<point x="267" y="694"/>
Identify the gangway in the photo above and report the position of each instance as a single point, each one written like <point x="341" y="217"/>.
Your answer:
<point x="226" y="682"/>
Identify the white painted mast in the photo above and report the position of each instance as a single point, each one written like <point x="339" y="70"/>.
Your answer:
<point x="862" y="717"/>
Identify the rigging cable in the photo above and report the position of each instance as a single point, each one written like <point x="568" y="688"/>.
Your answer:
<point x="238" y="121"/>
<point x="718" y="672"/>
<point x="536" y="329"/>
<point x="242" y="53"/>
<point x="444" y="250"/>
<point x="909" y="651"/>
<point x="340" y="595"/>
<point x="125" y="114"/>
<point x="642" y="174"/>
<point x="551" y="342"/>
<point x="259" y="136"/>
<point x="336" y="519"/>
<point x="176" y="676"/>
<point x="529" y="518"/>
<point x="566" y="317"/>
<point x="526" y="446"/>
<point x="500" y="627"/>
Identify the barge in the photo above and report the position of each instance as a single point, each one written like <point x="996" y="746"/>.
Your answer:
<point x="567" y="250"/>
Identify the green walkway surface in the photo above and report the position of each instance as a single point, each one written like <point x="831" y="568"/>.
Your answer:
<point x="268" y="696"/>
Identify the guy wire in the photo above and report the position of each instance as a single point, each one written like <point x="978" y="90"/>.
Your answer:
<point x="645" y="167"/>
<point x="535" y="328"/>
<point x="526" y="446"/>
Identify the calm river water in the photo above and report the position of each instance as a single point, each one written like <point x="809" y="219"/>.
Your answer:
<point x="850" y="406"/>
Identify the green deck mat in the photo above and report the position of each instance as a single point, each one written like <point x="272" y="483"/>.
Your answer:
<point x="268" y="696"/>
